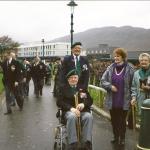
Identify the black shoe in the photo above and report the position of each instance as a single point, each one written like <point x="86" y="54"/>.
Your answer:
<point x="88" y="145"/>
<point x="122" y="142"/>
<point x="20" y="108"/>
<point x="73" y="146"/>
<point x="8" y="112"/>
<point x="115" y="141"/>
<point x="41" y="92"/>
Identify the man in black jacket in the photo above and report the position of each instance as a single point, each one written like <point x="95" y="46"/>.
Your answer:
<point x="38" y="72"/>
<point x="74" y="109"/>
<point x="11" y="80"/>
<point x="78" y="62"/>
<point x="27" y="77"/>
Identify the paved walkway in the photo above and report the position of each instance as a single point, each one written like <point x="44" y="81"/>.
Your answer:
<point x="33" y="128"/>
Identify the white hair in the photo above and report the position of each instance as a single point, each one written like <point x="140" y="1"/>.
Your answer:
<point x="13" y="55"/>
<point x="144" y="55"/>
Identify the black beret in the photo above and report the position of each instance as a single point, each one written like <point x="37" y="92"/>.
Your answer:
<point x="71" y="72"/>
<point x="76" y="43"/>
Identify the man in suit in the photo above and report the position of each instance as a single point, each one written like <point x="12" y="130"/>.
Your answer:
<point x="11" y="80"/>
<point x="78" y="62"/>
<point x="19" y="92"/>
<point x="75" y="108"/>
<point x="27" y="76"/>
<point x="38" y="72"/>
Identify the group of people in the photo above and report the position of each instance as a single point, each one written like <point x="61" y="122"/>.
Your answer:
<point x="16" y="78"/>
<point x="97" y="69"/>
<point x="123" y="84"/>
<point x="125" y="87"/>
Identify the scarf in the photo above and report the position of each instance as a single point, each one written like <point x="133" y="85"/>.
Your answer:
<point x="73" y="89"/>
<point x="144" y="73"/>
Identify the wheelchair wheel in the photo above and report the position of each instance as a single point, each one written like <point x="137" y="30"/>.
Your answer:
<point x="59" y="139"/>
<point x="57" y="146"/>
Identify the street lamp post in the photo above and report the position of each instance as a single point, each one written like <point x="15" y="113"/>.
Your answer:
<point x="43" y="49"/>
<point x="72" y="4"/>
<point x="1" y="50"/>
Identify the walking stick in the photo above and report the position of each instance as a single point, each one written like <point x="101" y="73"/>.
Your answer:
<point x="78" y="124"/>
<point x="133" y="117"/>
<point x="134" y="124"/>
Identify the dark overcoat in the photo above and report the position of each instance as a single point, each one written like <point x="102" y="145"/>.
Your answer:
<point x="11" y="73"/>
<point x="66" y="99"/>
<point x="69" y="64"/>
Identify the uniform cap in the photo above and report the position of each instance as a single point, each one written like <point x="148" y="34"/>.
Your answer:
<point x="71" y="72"/>
<point x="76" y="43"/>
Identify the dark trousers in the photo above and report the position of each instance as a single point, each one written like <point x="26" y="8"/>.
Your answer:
<point x="15" y="93"/>
<point x="118" y="121"/>
<point x="26" y="88"/>
<point x="38" y="86"/>
<point x="19" y="95"/>
<point x="8" y="94"/>
<point x="48" y="79"/>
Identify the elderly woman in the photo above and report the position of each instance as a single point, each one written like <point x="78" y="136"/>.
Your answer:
<point x="141" y="81"/>
<point x="117" y="81"/>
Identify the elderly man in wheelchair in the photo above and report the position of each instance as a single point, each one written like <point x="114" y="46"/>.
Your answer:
<point x="76" y="109"/>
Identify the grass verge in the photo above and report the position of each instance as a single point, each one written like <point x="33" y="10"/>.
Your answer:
<point x="1" y="84"/>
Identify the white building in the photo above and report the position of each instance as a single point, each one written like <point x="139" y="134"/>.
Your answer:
<point x="57" y="49"/>
<point x="50" y="49"/>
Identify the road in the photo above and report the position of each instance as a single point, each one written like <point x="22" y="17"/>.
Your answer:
<point x="33" y="128"/>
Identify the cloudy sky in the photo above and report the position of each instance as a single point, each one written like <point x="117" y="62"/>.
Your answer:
<point x="26" y="21"/>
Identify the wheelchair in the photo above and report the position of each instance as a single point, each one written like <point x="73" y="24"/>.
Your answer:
<point x="60" y="141"/>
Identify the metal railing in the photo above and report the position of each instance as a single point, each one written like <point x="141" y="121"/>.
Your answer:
<point x="98" y="94"/>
